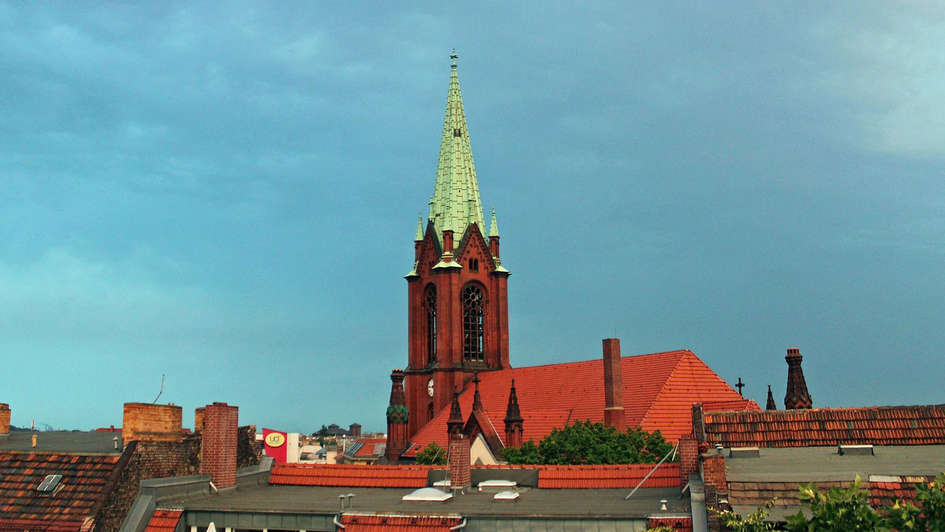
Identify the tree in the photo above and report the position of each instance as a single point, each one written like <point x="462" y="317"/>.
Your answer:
<point x="929" y="515"/>
<point x="753" y="522"/>
<point x="837" y="510"/>
<point x="585" y="442"/>
<point x="432" y="454"/>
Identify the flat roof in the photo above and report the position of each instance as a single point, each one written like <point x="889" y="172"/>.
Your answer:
<point x="533" y="502"/>
<point x="811" y="464"/>
<point x="63" y="441"/>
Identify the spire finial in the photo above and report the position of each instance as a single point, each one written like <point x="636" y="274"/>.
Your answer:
<point x="419" y="235"/>
<point x="477" y="400"/>
<point x="493" y="225"/>
<point x="453" y="58"/>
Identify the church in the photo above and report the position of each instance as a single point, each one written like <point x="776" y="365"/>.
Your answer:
<point x="458" y="341"/>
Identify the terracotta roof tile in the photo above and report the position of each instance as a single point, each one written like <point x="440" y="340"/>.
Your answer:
<point x="878" y="425"/>
<point x="370" y="476"/>
<point x="84" y="480"/>
<point x="659" y="390"/>
<point x="164" y="521"/>
<point x="384" y="523"/>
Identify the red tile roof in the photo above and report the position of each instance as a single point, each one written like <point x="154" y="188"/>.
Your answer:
<point x="384" y="523"/>
<point x="607" y="476"/>
<point x="164" y="521"/>
<point x="877" y="425"/>
<point x="659" y="390"/>
<point x="84" y="482"/>
<point x="369" y="447"/>
<point x="369" y="476"/>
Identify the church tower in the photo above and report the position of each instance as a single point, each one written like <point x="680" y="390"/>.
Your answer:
<point x="457" y="298"/>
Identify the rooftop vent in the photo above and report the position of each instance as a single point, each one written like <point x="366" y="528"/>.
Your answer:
<point x="744" y="452"/>
<point x="49" y="484"/>
<point x="427" y="495"/>
<point x="507" y="495"/>
<point x="855" y="450"/>
<point x="491" y="484"/>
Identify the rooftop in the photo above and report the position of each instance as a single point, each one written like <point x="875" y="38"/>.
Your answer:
<point x="62" y="441"/>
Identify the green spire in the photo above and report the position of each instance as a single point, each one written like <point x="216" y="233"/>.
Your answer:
<point x="419" y="228"/>
<point x="493" y="225"/>
<point x="455" y="202"/>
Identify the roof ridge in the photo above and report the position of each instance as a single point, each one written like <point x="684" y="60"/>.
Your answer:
<point x="597" y="359"/>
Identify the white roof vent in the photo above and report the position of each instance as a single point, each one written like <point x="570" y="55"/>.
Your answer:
<point x="427" y="495"/>
<point x="487" y="484"/>
<point x="853" y="450"/>
<point x="441" y="484"/>
<point x="507" y="495"/>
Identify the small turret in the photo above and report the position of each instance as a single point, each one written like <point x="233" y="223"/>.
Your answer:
<point x="513" y="420"/>
<point x="771" y="405"/>
<point x="796" y="396"/>
<point x="397" y="416"/>
<point x="454" y="425"/>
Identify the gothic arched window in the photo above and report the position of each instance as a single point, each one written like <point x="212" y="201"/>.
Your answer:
<point x="472" y="323"/>
<point x="429" y="304"/>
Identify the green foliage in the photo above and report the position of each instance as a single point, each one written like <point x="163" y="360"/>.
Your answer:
<point x="837" y="510"/>
<point x="432" y="454"/>
<point x="661" y="529"/>
<point x="592" y="443"/>
<point x="929" y="515"/>
<point x="754" y="522"/>
<point x="842" y="510"/>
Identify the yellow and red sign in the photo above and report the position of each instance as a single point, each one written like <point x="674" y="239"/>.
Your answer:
<point x="275" y="444"/>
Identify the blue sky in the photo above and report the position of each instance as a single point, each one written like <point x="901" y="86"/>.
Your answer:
<point x="227" y="194"/>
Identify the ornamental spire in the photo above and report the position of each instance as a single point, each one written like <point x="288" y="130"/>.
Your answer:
<point x="770" y="405"/>
<point x="796" y="396"/>
<point x="455" y="202"/>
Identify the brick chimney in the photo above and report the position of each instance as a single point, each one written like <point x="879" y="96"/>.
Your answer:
<point x="218" y="444"/>
<point x="796" y="396"/>
<point x="4" y="420"/>
<point x="396" y="418"/>
<point x="460" y="473"/>
<point x="613" y="385"/>
<point x="198" y="418"/>
<point x="770" y="404"/>
<point x="688" y="457"/>
<point x="513" y="420"/>
<point x="355" y="430"/>
<point x="151" y="422"/>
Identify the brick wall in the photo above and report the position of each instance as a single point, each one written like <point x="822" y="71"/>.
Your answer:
<point x="150" y="422"/>
<point x="148" y="459"/>
<point x="219" y="444"/>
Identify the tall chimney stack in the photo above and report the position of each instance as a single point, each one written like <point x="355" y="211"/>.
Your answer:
<point x="151" y="422"/>
<point x="4" y="420"/>
<point x="218" y="444"/>
<point x="796" y="396"/>
<point x="396" y="418"/>
<point x="613" y="385"/>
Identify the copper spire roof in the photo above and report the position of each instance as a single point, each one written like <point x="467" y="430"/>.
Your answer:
<point x="455" y="202"/>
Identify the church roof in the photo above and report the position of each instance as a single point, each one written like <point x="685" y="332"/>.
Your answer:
<point x="659" y="390"/>
<point x="455" y="202"/>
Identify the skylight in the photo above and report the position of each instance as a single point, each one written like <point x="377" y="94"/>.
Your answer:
<point x="427" y="495"/>
<point x="49" y="483"/>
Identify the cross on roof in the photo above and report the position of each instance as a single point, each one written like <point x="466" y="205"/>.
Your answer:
<point x="740" y="385"/>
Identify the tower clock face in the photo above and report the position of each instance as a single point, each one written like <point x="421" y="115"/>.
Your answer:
<point x="430" y="387"/>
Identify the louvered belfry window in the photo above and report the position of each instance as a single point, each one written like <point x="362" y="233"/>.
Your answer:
<point x="429" y="302"/>
<point x="472" y="323"/>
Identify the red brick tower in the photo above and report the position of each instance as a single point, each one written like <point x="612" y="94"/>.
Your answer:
<point x="457" y="288"/>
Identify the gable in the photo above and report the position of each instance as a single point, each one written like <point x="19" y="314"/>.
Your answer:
<point x="691" y="381"/>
